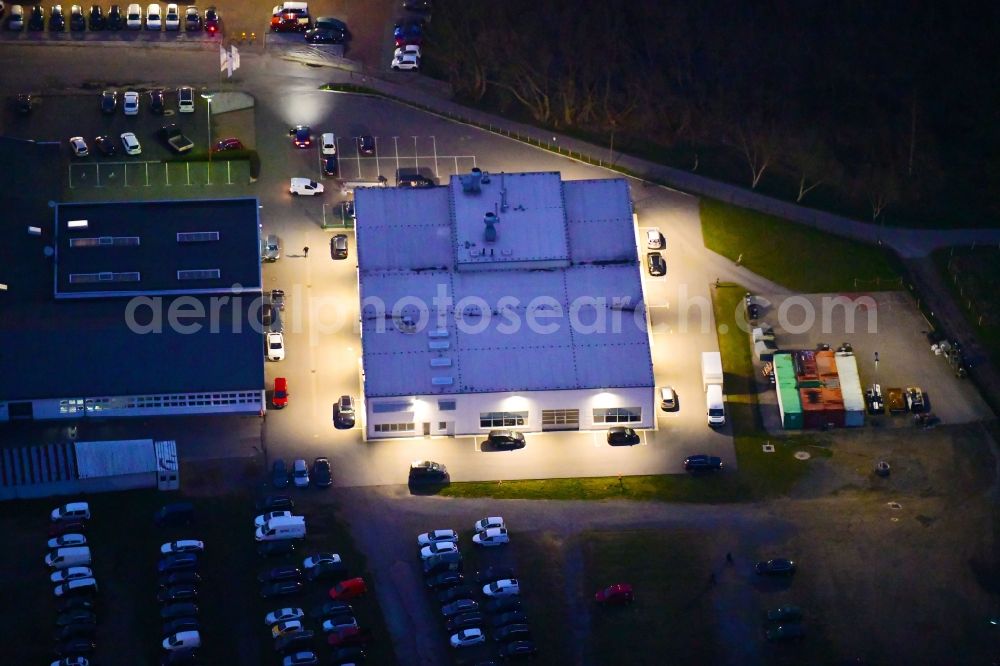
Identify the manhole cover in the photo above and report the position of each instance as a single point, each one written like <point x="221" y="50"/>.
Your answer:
<point x="895" y="505"/>
<point x="802" y="455"/>
<point x="768" y="448"/>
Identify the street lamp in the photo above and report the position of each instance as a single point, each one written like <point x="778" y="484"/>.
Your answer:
<point x="208" y="98"/>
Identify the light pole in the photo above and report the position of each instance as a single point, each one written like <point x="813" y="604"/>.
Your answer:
<point x="208" y="98"/>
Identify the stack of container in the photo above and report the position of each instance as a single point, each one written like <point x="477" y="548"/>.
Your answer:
<point x="818" y="389"/>
<point x="850" y="389"/>
<point x="789" y="403"/>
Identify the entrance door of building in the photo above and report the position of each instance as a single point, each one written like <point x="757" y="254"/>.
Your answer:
<point x="560" y="419"/>
<point x="427" y="429"/>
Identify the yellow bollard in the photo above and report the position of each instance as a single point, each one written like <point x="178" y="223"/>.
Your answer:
<point x="243" y="37"/>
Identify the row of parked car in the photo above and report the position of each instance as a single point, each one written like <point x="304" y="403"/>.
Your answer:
<point x="335" y="618"/>
<point x="115" y="19"/>
<point x="408" y="35"/>
<point x="466" y="619"/>
<point x="75" y="585"/>
<point x="177" y="595"/>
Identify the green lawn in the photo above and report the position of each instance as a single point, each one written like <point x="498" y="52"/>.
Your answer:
<point x="793" y="255"/>
<point x="760" y="474"/>
<point x="672" y="620"/>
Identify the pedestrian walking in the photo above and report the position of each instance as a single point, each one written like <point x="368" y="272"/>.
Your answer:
<point x="305" y="251"/>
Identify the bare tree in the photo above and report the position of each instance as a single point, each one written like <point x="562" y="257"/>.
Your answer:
<point x="758" y="142"/>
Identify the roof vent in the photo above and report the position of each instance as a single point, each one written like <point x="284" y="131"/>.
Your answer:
<point x="442" y="381"/>
<point x="472" y="182"/>
<point x="490" y="220"/>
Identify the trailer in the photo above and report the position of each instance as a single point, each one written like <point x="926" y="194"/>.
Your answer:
<point x="711" y="369"/>
<point x="895" y="401"/>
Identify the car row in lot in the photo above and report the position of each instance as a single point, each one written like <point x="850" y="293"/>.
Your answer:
<point x="321" y="474"/>
<point x="177" y="595"/>
<point x="466" y="618"/>
<point x="408" y="35"/>
<point x="96" y="19"/>
<point x="75" y="586"/>
<point x="156" y="96"/>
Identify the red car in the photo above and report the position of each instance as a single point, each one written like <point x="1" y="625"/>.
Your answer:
<point x="280" y="398"/>
<point x="615" y="595"/>
<point x="348" y="589"/>
<point x="349" y="636"/>
<point x="228" y="144"/>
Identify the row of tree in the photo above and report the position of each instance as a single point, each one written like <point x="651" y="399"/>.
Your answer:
<point x="853" y="105"/>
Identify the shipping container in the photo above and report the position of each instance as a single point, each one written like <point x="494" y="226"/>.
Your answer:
<point x="789" y="403"/>
<point x="805" y="369"/>
<point x="850" y="389"/>
<point x="826" y="365"/>
<point x="813" y="409"/>
<point x="833" y="408"/>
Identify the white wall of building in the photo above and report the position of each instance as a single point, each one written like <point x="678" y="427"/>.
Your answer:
<point x="417" y="416"/>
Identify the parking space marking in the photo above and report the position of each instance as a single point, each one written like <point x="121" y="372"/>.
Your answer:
<point x="112" y="174"/>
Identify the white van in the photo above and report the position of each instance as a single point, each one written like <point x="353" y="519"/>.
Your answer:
<point x="133" y="17"/>
<point x="16" y="20"/>
<point x="70" y="512"/>
<point x="287" y="527"/>
<point x="153" y="21"/>
<point x="74" y="556"/>
<point x="78" y="586"/>
<point x="715" y="406"/>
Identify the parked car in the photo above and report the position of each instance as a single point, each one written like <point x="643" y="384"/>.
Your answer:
<point x="24" y="103"/>
<point x="275" y="346"/>
<point x="77" y="630"/>
<point x="445" y="580"/>
<point x="283" y="615"/>
<point x="338" y="246"/>
<point x="502" y="605"/>
<point x="617" y="594"/>
<point x="275" y="502"/>
<point x="622" y="436"/>
<point x="286" y="627"/>
<point x="70" y="573"/>
<point x="488" y="523"/>
<point x="76" y="647"/>
<point x="71" y="512"/>
<point x="505" y="440"/>
<point x="655" y="264"/>
<point x="75" y="603"/>
<point x="57" y="23"/>
<point x="702" y="463"/>
<point x="180" y="624"/>
<point x="305" y="187"/>
<point x="78" y="586"/>
<point x="459" y="606"/>
<point x="172" y="19"/>
<point x="339" y="622"/>
<point x="303" y="658"/>
<point x="180" y="562"/>
<point x="213" y="21"/>
<point x="131" y="144"/>
<point x="775" y="567"/>
<point x="438" y="548"/>
<point x="96" y="20"/>
<point x="76" y="615"/>
<point x="279" y="399"/>
<point x="223" y="145"/>
<point x="344" y="416"/>
<point x="301" y="136"/>
<point x="279" y="474"/>
<point x="330" y="608"/>
<point x="176" y="593"/>
<point x="156" y="101"/>
<point x="300" y="473"/>
<point x="180" y="578"/>
<point x="79" y="146"/>
<point x="511" y="632"/>
<point x="495" y="536"/>
<point x="185" y="99"/>
<point x="116" y="21"/>
<point x="182" y="546"/>
<point x="435" y="536"/>
<point x="262" y="519"/>
<point x="76" y="20"/>
<point x="668" y="399"/>
<point x="294" y="641"/>
<point x="280" y="588"/>
<point x="317" y="559"/>
<point x="324" y="36"/>
<point x="366" y="144"/>
<point x="655" y="240"/>
<point x="406" y="59"/>
<point x="321" y="474"/>
<point x="457" y="592"/>
<point x="330" y="165"/>
<point x="464" y="621"/>
<point x="502" y="588"/>
<point x="348" y="589"/>
<point x="130" y="103"/>
<point x="494" y="573"/>
<point x="518" y="650"/>
<point x="192" y="19"/>
<point x="467" y="638"/>
<point x="174" y="611"/>
<point x="36" y="21"/>
<point x="61" y="528"/>
<point x="106" y="145"/>
<point x="67" y="540"/>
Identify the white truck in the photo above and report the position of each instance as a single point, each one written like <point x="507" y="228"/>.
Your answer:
<point x="711" y="379"/>
<point x="286" y="527"/>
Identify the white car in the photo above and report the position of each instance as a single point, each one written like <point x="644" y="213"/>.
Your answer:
<point x="655" y="240"/>
<point x="71" y="661"/>
<point x="488" y="523"/>
<point x="185" y="99"/>
<point x="282" y="628"/>
<point x="405" y="61"/>
<point x="275" y="347"/>
<point x="305" y="186"/>
<point x="283" y="615"/>
<point x="428" y="538"/>
<point x="182" y="546"/>
<point x="172" y="21"/>
<point x="468" y="637"/>
<point x="495" y="536"/>
<point x="79" y="146"/>
<point x="67" y="540"/>
<point x="320" y="558"/>
<point x="300" y="473"/>
<point x="328" y="145"/>
<point x="131" y="144"/>
<point x="502" y="588"/>
<point x="153" y="18"/>
<point x="181" y="640"/>
<point x="75" y="586"/>
<point x="130" y="103"/>
<point x="71" y="512"/>
<point x="72" y="573"/>
<point x="263" y="518"/>
<point x="133" y="19"/>
<point x="409" y="49"/>
<point x="339" y="622"/>
<point x="439" y="548"/>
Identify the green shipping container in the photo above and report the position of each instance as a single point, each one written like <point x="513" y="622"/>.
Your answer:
<point x="789" y="403"/>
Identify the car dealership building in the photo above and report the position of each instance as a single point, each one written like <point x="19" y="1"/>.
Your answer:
<point x="502" y="301"/>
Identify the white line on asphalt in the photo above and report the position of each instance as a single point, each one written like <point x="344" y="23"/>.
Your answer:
<point x="416" y="155"/>
<point x="395" y="143"/>
<point x="437" y="174"/>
